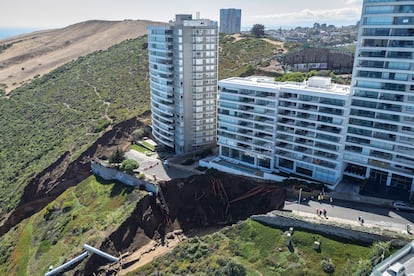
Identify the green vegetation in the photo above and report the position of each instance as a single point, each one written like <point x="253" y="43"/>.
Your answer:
<point x="252" y="248"/>
<point x="258" y="30"/>
<point x="82" y="214"/>
<point x="117" y="156"/>
<point x="129" y="165"/>
<point x="300" y="77"/>
<point x="64" y="111"/>
<point x="139" y="148"/>
<point x="240" y="58"/>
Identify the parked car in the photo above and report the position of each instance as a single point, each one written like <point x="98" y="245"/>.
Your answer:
<point x="399" y="205"/>
<point x="396" y="269"/>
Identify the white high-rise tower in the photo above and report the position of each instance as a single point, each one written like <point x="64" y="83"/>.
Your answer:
<point x="380" y="136"/>
<point x="183" y="70"/>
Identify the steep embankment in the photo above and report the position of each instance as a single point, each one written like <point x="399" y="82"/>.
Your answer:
<point x="38" y="53"/>
<point x="67" y="110"/>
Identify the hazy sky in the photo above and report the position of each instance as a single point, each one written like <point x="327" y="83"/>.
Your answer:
<point x="41" y="14"/>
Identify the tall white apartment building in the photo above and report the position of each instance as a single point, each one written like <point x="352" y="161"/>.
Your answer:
<point x="183" y="83"/>
<point x="380" y="139"/>
<point x="293" y="127"/>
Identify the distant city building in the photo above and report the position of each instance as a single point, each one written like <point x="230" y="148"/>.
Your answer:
<point x="183" y="83"/>
<point x="230" y="21"/>
<point x="380" y="139"/>
<point x="293" y="127"/>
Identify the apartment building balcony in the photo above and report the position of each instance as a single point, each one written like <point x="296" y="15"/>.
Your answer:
<point x="284" y="145"/>
<point x="286" y="121"/>
<point x="325" y="155"/>
<point x="303" y="141"/>
<point x="405" y="150"/>
<point x="305" y="133"/>
<point x="284" y="137"/>
<point x="308" y="107"/>
<point x="163" y="110"/>
<point x="245" y="124"/>
<point x="245" y="132"/>
<point x="305" y="124"/>
<point x="286" y="104"/>
<point x="288" y="96"/>
<point x="329" y="129"/>
<point x="303" y="150"/>
<point x="262" y="144"/>
<point x="311" y="117"/>
<point x="326" y="137"/>
<point x="326" y="146"/>
<point x="266" y="129"/>
<point x="263" y="136"/>
<point x="333" y="111"/>
<point x="286" y="129"/>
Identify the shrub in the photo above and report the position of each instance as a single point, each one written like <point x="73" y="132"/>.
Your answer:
<point x="117" y="156"/>
<point x="328" y="266"/>
<point x="234" y="269"/>
<point x="67" y="206"/>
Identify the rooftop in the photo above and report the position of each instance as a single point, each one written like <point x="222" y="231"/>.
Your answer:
<point x="314" y="84"/>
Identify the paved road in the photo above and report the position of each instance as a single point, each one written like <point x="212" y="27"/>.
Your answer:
<point x="373" y="215"/>
<point x="150" y="166"/>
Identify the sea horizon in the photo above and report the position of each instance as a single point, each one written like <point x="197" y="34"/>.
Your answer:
<point x="10" y="32"/>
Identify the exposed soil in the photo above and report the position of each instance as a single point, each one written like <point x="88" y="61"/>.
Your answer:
<point x="62" y="174"/>
<point x="194" y="203"/>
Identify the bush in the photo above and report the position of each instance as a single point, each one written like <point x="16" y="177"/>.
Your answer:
<point x="67" y="206"/>
<point x="328" y="266"/>
<point x="129" y="165"/>
<point x="234" y="269"/>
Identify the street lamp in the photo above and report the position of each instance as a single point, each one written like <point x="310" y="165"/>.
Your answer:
<point x="300" y="194"/>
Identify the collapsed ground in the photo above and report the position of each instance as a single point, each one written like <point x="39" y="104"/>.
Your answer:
<point x="193" y="203"/>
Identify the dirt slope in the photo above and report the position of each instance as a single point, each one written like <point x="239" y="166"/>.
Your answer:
<point x="40" y="52"/>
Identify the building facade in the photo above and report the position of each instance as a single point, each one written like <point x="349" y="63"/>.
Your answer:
<point x="230" y="21"/>
<point x="183" y="64"/>
<point x="293" y="127"/>
<point x="380" y="141"/>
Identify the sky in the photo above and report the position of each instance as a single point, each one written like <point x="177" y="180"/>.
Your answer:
<point x="47" y="14"/>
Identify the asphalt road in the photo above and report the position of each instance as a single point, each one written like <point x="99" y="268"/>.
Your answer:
<point x="373" y="215"/>
<point x="152" y="166"/>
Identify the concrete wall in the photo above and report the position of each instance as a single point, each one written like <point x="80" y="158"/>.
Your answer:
<point x="114" y="174"/>
<point x="282" y="220"/>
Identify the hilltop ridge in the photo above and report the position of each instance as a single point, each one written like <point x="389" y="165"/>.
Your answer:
<point x="24" y="57"/>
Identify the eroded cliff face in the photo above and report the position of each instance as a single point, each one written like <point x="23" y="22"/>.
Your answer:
<point x="62" y="174"/>
<point x="194" y="203"/>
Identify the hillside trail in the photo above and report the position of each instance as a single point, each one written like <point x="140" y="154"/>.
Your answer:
<point x="35" y="54"/>
<point x="107" y="104"/>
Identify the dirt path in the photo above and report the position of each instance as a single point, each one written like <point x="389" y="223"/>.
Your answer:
<point x="148" y="253"/>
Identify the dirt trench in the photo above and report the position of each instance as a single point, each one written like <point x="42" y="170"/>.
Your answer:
<point x="194" y="203"/>
<point x="62" y="174"/>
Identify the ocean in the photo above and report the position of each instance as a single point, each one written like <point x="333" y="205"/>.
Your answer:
<point x="9" y="32"/>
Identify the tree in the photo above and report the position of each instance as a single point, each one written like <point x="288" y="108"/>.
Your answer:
<point x="258" y="30"/>
<point x="129" y="165"/>
<point x="117" y="156"/>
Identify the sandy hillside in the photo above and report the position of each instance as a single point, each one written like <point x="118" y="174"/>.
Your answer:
<point x="40" y="52"/>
